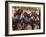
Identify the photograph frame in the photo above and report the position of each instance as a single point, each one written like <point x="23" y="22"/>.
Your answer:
<point x="6" y="18"/>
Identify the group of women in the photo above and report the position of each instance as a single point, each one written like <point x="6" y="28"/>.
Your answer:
<point x="24" y="21"/>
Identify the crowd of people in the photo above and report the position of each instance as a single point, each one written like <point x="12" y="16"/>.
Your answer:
<point x="24" y="21"/>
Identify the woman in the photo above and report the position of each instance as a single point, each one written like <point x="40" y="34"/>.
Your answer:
<point x="26" y="19"/>
<point x="17" y="15"/>
<point x="29" y="26"/>
<point x="19" y="26"/>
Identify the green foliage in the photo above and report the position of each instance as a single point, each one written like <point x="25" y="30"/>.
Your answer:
<point x="31" y="8"/>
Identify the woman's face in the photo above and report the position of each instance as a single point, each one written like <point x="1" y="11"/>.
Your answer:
<point x="29" y="27"/>
<point x="23" y="25"/>
<point x="19" y="27"/>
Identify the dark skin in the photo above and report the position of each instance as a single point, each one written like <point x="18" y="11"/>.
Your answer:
<point x="28" y="26"/>
<point x="18" y="12"/>
<point x="23" y="26"/>
<point x="25" y="14"/>
<point x="19" y="26"/>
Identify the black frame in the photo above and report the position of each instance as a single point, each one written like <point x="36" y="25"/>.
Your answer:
<point x="6" y="17"/>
